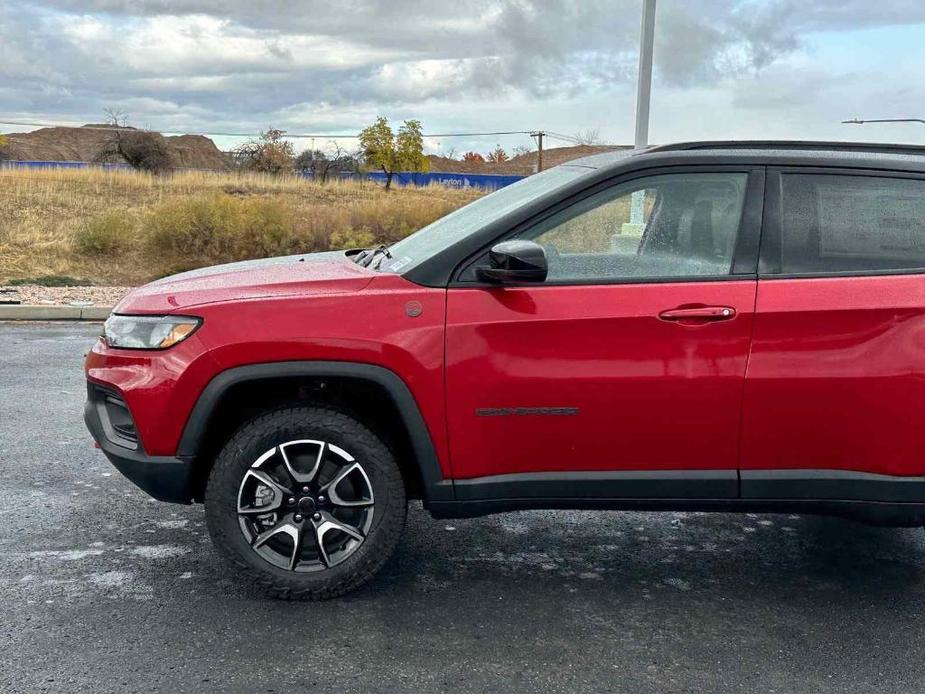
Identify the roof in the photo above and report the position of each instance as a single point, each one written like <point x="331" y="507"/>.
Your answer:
<point x="807" y="153"/>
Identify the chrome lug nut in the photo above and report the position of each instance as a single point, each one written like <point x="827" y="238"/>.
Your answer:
<point x="321" y="498"/>
<point x="305" y="490"/>
<point x="291" y="500"/>
<point x="298" y="517"/>
<point x="317" y="516"/>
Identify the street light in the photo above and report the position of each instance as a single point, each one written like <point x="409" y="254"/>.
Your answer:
<point x="644" y="80"/>
<point x="643" y="94"/>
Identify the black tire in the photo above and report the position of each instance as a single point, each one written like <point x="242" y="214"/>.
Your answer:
<point x="271" y="430"/>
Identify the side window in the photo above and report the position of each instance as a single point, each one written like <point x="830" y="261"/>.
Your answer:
<point x="673" y="225"/>
<point x="835" y="223"/>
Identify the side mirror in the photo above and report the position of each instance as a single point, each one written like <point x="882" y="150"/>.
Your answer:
<point x="515" y="261"/>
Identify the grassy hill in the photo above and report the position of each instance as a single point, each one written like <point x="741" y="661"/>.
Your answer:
<point x="126" y="228"/>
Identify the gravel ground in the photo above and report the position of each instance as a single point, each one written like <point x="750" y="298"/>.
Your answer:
<point x="34" y="294"/>
<point x="104" y="590"/>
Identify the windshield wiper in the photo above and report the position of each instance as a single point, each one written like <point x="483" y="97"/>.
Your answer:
<point x="366" y="258"/>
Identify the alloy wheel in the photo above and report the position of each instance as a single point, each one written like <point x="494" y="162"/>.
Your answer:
<point x="305" y="505"/>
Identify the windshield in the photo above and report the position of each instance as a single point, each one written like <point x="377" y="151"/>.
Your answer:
<point x="455" y="226"/>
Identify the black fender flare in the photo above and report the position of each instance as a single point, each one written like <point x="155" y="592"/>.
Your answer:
<point x="435" y="487"/>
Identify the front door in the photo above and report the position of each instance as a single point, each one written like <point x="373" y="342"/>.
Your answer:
<point x="622" y="373"/>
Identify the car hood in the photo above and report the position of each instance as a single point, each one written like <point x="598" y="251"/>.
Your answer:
<point x="307" y="274"/>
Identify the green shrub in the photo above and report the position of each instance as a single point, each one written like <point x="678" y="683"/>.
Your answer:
<point x="52" y="281"/>
<point x="219" y="228"/>
<point x="108" y="234"/>
<point x="352" y="238"/>
<point x="267" y="229"/>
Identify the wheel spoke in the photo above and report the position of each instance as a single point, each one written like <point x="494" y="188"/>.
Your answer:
<point x="296" y="547"/>
<point x="326" y="525"/>
<point x="331" y="487"/>
<point x="299" y="477"/>
<point x="279" y="493"/>
<point x="284" y="527"/>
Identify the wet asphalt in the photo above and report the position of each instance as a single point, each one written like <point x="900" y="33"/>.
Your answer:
<point x="104" y="590"/>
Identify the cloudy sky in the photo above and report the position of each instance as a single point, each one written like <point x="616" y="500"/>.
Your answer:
<point x="723" y="68"/>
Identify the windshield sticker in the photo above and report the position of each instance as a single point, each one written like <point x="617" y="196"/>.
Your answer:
<point x="397" y="265"/>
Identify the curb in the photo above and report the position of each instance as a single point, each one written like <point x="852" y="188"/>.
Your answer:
<point x="26" y="312"/>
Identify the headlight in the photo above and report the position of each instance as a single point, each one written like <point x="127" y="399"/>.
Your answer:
<point x="148" y="332"/>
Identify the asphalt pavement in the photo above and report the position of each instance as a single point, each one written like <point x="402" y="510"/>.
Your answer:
<point x="105" y="590"/>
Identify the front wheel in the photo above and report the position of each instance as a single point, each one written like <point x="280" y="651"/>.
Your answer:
<point x="306" y="502"/>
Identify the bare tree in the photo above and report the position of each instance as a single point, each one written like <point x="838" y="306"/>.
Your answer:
<point x="143" y="150"/>
<point x="591" y="136"/>
<point x="521" y="150"/>
<point x="115" y="117"/>
<point x="322" y="165"/>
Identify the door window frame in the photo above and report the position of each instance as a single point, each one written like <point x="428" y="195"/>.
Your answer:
<point x="745" y="255"/>
<point x="770" y="256"/>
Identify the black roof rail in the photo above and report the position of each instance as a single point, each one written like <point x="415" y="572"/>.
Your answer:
<point x="791" y="145"/>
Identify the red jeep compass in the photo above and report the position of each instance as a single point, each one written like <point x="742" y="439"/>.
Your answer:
<point x="709" y="326"/>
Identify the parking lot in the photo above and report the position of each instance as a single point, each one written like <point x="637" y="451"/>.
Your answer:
<point x="106" y="590"/>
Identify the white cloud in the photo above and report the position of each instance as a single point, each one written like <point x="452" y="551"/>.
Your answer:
<point x="723" y="67"/>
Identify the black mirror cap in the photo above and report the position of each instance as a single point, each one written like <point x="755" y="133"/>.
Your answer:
<point x="515" y="261"/>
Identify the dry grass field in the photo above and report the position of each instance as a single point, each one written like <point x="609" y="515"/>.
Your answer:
<point x="126" y="228"/>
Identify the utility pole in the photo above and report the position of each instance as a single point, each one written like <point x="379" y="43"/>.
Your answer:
<point x="538" y="136"/>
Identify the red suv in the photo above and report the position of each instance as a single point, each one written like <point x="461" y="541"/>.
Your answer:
<point x="706" y="326"/>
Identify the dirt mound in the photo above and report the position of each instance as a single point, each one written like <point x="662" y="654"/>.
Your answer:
<point x="196" y="152"/>
<point x="86" y="142"/>
<point x="522" y="165"/>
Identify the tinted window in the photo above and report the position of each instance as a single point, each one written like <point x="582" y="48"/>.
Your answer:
<point x="837" y="223"/>
<point x="675" y="225"/>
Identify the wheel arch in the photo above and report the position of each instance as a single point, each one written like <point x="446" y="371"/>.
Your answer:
<point x="217" y="413"/>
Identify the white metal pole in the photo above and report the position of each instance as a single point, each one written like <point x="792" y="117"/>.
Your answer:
<point x="643" y="94"/>
<point x="644" y="84"/>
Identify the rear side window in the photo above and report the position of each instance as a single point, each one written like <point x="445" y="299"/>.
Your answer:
<point x="834" y="223"/>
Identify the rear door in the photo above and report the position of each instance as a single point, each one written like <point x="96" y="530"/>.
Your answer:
<point x="622" y="374"/>
<point x="836" y="377"/>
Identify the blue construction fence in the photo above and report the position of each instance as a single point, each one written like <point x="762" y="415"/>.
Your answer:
<point x="450" y="180"/>
<point x="403" y="178"/>
<point x="62" y="165"/>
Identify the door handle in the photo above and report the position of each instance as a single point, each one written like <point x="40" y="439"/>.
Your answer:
<point x="699" y="314"/>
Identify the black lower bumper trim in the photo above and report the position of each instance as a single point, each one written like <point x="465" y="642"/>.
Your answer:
<point x="163" y="477"/>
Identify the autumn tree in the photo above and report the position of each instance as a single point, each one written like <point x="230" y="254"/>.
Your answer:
<point x="3" y="143"/>
<point x="497" y="155"/>
<point x="473" y="158"/>
<point x="271" y="153"/>
<point x="389" y="152"/>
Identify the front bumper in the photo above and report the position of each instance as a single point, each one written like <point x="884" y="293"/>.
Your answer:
<point x="165" y="478"/>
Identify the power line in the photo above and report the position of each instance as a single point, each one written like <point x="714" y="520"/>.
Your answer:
<point x="564" y="138"/>
<point x="33" y="124"/>
<point x="861" y="121"/>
